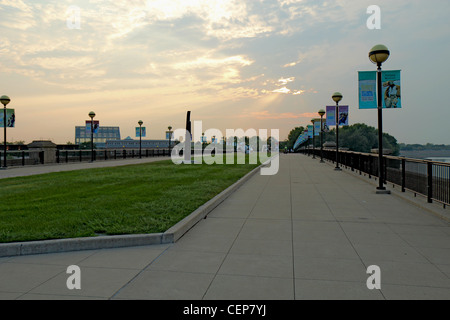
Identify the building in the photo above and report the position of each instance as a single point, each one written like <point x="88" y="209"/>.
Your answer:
<point x="103" y="134"/>
<point x="129" y="143"/>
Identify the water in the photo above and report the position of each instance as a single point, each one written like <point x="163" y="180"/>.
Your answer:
<point x="440" y="159"/>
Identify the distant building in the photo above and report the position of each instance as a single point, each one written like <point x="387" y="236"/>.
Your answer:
<point x="129" y="143"/>
<point x="103" y="134"/>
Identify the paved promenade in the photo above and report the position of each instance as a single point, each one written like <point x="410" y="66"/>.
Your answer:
<point x="308" y="232"/>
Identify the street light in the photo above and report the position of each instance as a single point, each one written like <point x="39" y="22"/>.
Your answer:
<point x="92" y="115"/>
<point x="378" y="55"/>
<point x="337" y="96"/>
<point x="321" y="114"/>
<point x="4" y="100"/>
<point x="140" y="122"/>
<point x="314" y="139"/>
<point x="170" y="136"/>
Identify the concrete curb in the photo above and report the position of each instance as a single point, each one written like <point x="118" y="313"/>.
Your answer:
<point x="106" y="242"/>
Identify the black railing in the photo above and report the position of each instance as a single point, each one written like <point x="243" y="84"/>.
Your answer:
<point x="424" y="177"/>
<point x="22" y="158"/>
<point x="27" y="157"/>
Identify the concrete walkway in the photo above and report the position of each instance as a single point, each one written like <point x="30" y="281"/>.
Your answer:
<point x="308" y="232"/>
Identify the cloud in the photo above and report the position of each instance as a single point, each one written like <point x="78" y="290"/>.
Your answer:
<point x="264" y="115"/>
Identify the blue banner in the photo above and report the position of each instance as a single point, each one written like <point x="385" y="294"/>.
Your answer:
<point x="391" y="89"/>
<point x="10" y="118"/>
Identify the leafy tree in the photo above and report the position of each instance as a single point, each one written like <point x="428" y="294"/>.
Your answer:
<point x="293" y="136"/>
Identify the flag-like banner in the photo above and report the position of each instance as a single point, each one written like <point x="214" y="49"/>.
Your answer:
<point x="10" y="118"/>
<point x="317" y="127"/>
<point x="391" y="89"/>
<point x="96" y="126"/>
<point x="138" y="133"/>
<point x="331" y="116"/>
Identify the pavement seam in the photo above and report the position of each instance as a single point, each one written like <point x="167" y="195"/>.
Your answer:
<point x="234" y="241"/>
<point x="138" y="274"/>
<point x="342" y="229"/>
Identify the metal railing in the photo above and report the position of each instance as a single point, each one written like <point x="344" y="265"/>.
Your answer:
<point x="22" y="158"/>
<point x="424" y="177"/>
<point x="26" y="157"/>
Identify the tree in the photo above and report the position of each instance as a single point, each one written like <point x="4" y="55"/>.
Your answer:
<point x="293" y="136"/>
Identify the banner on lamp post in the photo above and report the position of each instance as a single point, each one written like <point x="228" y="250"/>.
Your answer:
<point x="391" y="89"/>
<point x="10" y="118"/>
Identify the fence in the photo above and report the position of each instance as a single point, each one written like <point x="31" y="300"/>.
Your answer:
<point x="424" y="177"/>
<point x="24" y="158"/>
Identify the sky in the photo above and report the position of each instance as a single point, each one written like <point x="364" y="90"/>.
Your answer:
<point x="260" y="64"/>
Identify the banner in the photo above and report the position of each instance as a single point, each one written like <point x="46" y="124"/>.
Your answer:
<point x="317" y="127"/>
<point x="391" y="89"/>
<point x="144" y="132"/>
<point x="331" y="116"/>
<point x="10" y="118"/>
<point x="310" y="131"/>
<point x="169" y="135"/>
<point x="96" y="126"/>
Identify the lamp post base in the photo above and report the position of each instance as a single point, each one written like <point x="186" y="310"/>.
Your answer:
<point x="382" y="190"/>
<point x="3" y="168"/>
<point x="337" y="169"/>
<point x="321" y="161"/>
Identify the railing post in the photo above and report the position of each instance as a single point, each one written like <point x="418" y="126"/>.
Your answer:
<point x="403" y="175"/>
<point x="115" y="154"/>
<point x="57" y="156"/>
<point x="67" y="156"/>
<point x="23" y="158"/>
<point x="430" y="181"/>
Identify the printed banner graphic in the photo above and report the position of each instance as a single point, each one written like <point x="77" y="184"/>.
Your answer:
<point x="10" y="118"/>
<point x="391" y="89"/>
<point x="317" y="127"/>
<point x="169" y="135"/>
<point x="331" y="116"/>
<point x="96" y="126"/>
<point x="310" y="131"/>
<point x="144" y="132"/>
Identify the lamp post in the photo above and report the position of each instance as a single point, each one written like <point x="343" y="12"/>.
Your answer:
<point x="378" y="55"/>
<point x="314" y="139"/>
<point x="337" y="96"/>
<point x="92" y="115"/>
<point x="4" y="100"/>
<point x="321" y="114"/>
<point x="140" y="122"/>
<point x="170" y="136"/>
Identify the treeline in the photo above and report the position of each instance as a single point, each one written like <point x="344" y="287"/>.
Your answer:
<point x="419" y="147"/>
<point x="357" y="137"/>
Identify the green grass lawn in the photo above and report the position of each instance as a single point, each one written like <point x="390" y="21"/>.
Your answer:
<point x="135" y="199"/>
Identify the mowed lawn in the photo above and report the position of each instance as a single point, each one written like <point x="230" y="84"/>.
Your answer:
<point x="135" y="199"/>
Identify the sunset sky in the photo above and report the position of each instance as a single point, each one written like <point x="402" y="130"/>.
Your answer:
<point x="262" y="64"/>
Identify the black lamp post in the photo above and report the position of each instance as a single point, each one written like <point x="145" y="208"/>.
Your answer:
<point x="321" y="114"/>
<point x="170" y="137"/>
<point x="337" y="96"/>
<point x="92" y="115"/>
<point x="314" y="139"/>
<point x="140" y="122"/>
<point x="379" y="54"/>
<point x="4" y="100"/>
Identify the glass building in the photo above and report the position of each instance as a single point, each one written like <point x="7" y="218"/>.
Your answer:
<point x="104" y="133"/>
